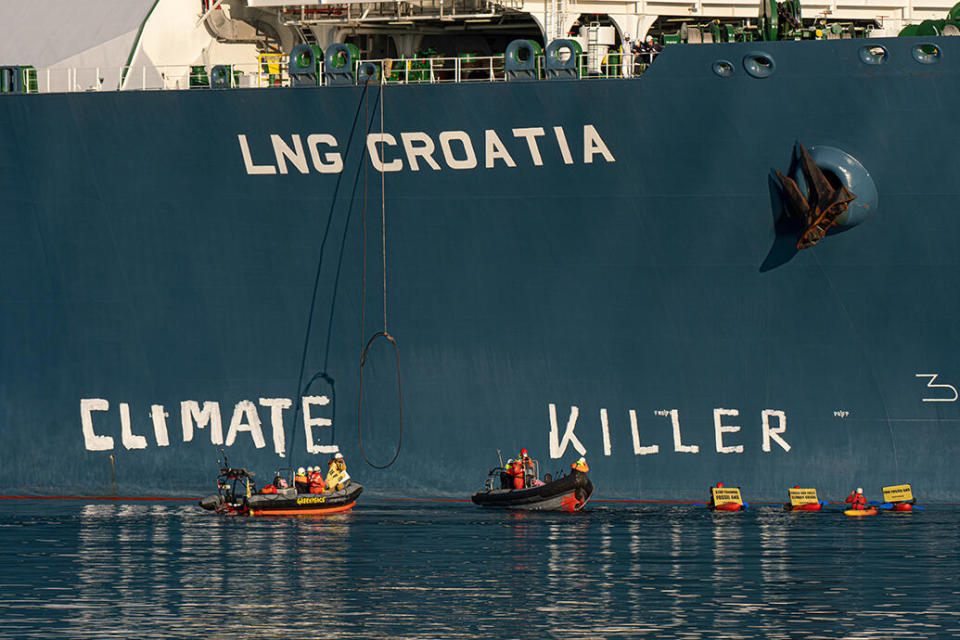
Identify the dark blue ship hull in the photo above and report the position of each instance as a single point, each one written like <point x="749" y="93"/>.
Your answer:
<point x="632" y="274"/>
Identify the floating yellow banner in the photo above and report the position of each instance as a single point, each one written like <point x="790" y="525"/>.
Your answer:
<point x="721" y="496"/>
<point x="800" y="497"/>
<point x="897" y="493"/>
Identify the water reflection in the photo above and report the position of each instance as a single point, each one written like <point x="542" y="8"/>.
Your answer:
<point x="454" y="571"/>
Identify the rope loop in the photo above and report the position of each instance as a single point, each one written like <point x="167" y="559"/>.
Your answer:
<point x="363" y="359"/>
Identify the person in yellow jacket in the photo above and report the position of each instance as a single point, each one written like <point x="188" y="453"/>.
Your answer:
<point x="337" y="476"/>
<point x="580" y="465"/>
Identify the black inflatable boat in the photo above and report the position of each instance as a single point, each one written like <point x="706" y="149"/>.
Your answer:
<point x="567" y="493"/>
<point x="237" y="495"/>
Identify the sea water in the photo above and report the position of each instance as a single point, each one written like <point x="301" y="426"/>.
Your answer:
<point x="409" y="569"/>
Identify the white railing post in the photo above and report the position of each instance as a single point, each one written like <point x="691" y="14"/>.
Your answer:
<point x="456" y="69"/>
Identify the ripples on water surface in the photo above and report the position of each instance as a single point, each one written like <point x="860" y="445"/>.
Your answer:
<point x="419" y="570"/>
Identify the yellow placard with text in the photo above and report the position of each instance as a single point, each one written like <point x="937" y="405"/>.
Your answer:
<point x="800" y="497"/>
<point x="897" y="493"/>
<point x="722" y="496"/>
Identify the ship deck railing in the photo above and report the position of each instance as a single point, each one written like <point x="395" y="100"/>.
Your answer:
<point x="274" y="73"/>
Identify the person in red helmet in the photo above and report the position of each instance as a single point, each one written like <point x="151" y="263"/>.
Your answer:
<point x="857" y="501"/>
<point x="528" y="468"/>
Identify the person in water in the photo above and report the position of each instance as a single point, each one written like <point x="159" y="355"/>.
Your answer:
<point x="580" y="465"/>
<point x="857" y="501"/>
<point x="337" y="476"/>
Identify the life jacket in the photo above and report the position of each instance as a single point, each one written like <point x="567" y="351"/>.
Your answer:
<point x="300" y="479"/>
<point x="316" y="483"/>
<point x="857" y="501"/>
<point x="337" y="476"/>
<point x="518" y="475"/>
<point x="269" y="489"/>
<point x="580" y="466"/>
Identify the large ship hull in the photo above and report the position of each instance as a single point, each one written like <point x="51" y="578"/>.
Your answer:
<point x="608" y="288"/>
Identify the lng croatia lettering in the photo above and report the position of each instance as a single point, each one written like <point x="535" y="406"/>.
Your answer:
<point x="419" y="151"/>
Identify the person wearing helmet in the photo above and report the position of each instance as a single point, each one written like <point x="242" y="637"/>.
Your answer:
<point x="301" y="481"/>
<point x="337" y="476"/>
<point x="506" y="476"/>
<point x="316" y="480"/>
<point x="580" y="465"/>
<point x="528" y="468"/>
<point x="857" y="501"/>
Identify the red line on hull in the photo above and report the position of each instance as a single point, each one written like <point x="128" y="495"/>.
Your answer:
<point x="112" y="498"/>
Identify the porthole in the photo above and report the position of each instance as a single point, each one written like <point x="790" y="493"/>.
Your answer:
<point x="759" y="64"/>
<point x="874" y="55"/>
<point x="723" y="68"/>
<point x="926" y="53"/>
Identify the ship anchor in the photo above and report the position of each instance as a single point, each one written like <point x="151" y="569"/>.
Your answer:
<point x="822" y="205"/>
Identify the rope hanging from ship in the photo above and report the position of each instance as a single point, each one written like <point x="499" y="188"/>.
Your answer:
<point x="323" y="374"/>
<point x="384" y="334"/>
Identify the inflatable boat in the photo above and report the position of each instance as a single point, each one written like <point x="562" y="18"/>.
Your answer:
<point x="286" y="502"/>
<point x="727" y="506"/>
<point x="567" y="493"/>
<point x="237" y="495"/>
<point x="810" y="506"/>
